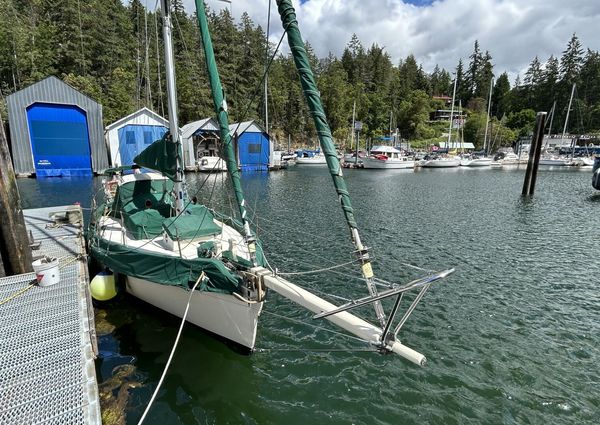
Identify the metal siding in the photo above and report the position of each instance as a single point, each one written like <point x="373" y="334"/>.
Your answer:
<point x="52" y="90"/>
<point x="143" y="116"/>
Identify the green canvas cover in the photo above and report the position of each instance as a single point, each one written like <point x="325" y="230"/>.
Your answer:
<point x="144" y="224"/>
<point x="187" y="226"/>
<point x="133" y="195"/>
<point x="160" y="156"/>
<point x="166" y="270"/>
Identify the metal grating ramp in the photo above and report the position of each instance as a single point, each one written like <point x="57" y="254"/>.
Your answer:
<point x="47" y="339"/>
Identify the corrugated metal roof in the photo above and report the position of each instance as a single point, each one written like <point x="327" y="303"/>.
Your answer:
<point x="206" y="124"/>
<point x="144" y="111"/>
<point x="246" y="126"/>
<point x="52" y="90"/>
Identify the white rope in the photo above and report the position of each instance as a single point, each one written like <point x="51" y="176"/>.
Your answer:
<point x="187" y="307"/>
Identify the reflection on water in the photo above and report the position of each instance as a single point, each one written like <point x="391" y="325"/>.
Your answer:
<point x="511" y="337"/>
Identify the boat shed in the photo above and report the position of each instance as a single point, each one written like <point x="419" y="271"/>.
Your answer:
<point x="253" y="146"/>
<point x="129" y="136"/>
<point x="55" y="131"/>
<point x="199" y="138"/>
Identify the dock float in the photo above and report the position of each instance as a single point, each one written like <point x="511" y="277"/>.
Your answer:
<point x="47" y="334"/>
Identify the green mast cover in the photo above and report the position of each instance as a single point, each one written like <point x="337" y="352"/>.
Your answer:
<point x="222" y="117"/>
<point x="313" y="99"/>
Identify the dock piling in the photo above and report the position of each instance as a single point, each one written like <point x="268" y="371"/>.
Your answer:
<point x="534" y="155"/>
<point x="15" y="252"/>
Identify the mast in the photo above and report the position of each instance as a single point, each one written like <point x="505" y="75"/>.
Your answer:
<point x="352" y="128"/>
<point x="313" y="99"/>
<point x="567" y="119"/>
<point x="451" y="113"/>
<point x="172" y="103"/>
<point x="487" y="119"/>
<point x="220" y="105"/>
<point x="550" y="126"/>
<point x="266" y="88"/>
<point x="394" y="144"/>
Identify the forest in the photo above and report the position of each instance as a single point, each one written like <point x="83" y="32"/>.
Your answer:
<point x="113" y="53"/>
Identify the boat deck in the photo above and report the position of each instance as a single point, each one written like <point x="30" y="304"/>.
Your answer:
<point x="47" y="334"/>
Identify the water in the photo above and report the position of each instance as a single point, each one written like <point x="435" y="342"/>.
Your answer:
<point x="511" y="337"/>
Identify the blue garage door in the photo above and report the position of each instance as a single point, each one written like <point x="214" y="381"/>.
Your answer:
<point x="59" y="140"/>
<point x="254" y="152"/>
<point x="133" y="139"/>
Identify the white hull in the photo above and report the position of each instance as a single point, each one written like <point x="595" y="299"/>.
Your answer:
<point x="555" y="162"/>
<point x="478" y="162"/>
<point x="441" y="163"/>
<point x="209" y="164"/>
<point x="388" y="164"/>
<point x="222" y="314"/>
<point x="313" y="160"/>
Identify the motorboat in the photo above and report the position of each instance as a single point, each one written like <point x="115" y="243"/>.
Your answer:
<point x="475" y="161"/>
<point x="211" y="164"/>
<point x="387" y="157"/>
<point x="310" y="157"/>
<point x="442" y="162"/>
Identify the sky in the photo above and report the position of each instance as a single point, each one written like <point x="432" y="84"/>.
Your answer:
<point x="437" y="32"/>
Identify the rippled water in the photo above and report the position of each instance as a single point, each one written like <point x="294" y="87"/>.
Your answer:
<point x="511" y="337"/>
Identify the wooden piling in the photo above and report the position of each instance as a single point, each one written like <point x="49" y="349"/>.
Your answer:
<point x="14" y="240"/>
<point x="534" y="155"/>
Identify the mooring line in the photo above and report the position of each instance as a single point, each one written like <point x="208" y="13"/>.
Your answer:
<point x="187" y="308"/>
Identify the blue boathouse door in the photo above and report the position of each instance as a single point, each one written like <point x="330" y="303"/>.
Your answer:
<point x="59" y="140"/>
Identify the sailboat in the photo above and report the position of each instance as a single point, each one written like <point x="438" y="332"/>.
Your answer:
<point x="180" y="256"/>
<point x="481" y="161"/>
<point x="557" y="160"/>
<point x="445" y="161"/>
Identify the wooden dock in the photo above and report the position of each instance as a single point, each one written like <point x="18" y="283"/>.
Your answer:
<point x="47" y="334"/>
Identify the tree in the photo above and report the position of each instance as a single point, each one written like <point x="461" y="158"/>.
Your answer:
<point x="500" y="101"/>
<point x="413" y="116"/>
<point x="522" y="121"/>
<point x="571" y="61"/>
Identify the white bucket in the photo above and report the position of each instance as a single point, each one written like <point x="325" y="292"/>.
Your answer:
<point x="46" y="271"/>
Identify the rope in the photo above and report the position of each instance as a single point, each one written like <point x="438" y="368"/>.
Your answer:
<point x="187" y="307"/>
<point x="20" y="292"/>
<point x="34" y="282"/>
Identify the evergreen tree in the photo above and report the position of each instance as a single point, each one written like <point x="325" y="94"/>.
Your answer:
<point x="571" y="61"/>
<point x="473" y="72"/>
<point x="500" y="96"/>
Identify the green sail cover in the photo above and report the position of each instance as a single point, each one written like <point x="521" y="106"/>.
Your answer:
<point x="160" y="156"/>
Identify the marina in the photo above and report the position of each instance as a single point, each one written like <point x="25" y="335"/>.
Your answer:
<point x="205" y="220"/>
<point x="509" y="335"/>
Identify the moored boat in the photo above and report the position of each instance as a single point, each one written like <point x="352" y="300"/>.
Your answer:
<point x="387" y="157"/>
<point x="441" y="162"/>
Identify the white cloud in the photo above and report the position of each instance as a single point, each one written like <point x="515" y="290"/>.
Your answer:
<point x="514" y="31"/>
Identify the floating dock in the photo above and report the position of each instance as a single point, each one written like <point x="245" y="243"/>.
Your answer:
<point x="47" y="334"/>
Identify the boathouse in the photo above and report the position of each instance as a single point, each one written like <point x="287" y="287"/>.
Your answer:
<point x="55" y="131"/>
<point x="129" y="136"/>
<point x="199" y="138"/>
<point x="253" y="146"/>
